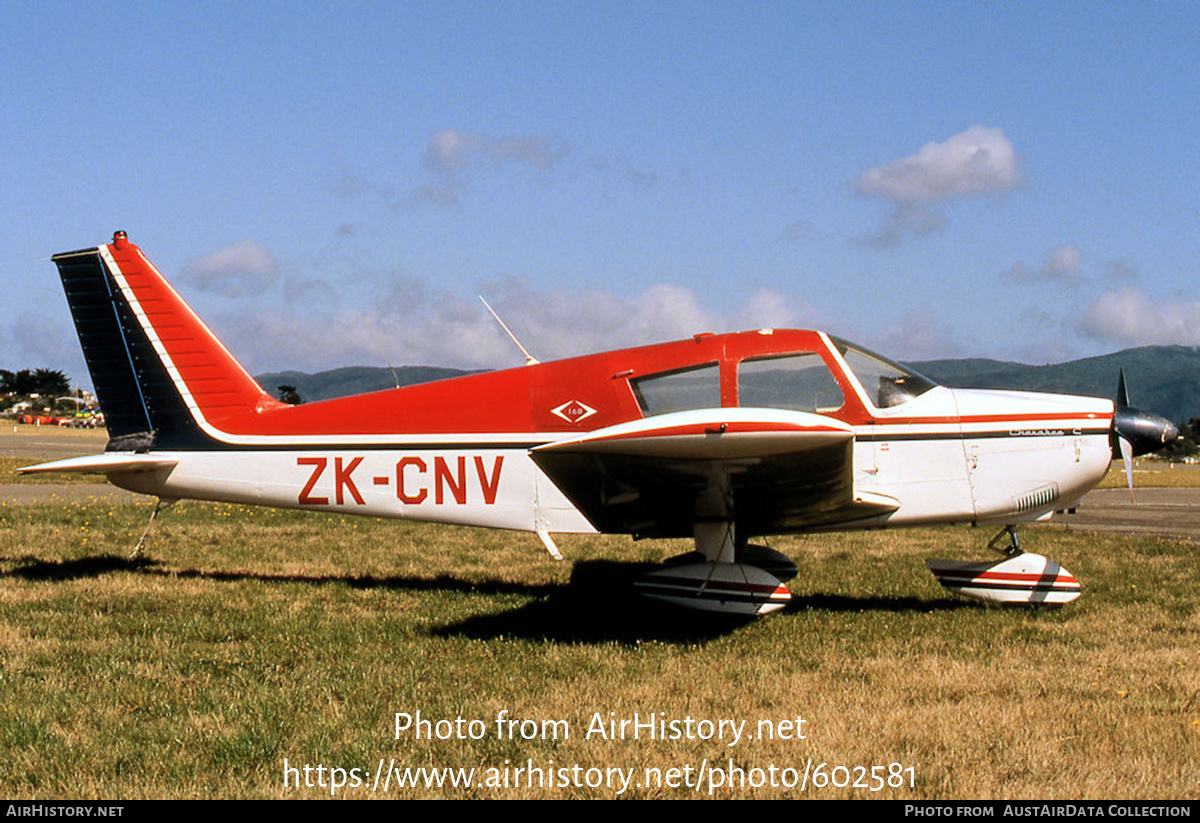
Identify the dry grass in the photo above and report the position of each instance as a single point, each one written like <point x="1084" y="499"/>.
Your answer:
<point x="255" y="635"/>
<point x="1153" y="474"/>
<point x="10" y="464"/>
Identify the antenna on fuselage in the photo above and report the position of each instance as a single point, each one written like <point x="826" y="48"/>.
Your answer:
<point x="384" y="353"/>
<point x="529" y="358"/>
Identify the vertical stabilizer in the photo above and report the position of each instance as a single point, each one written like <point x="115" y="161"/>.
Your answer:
<point x="156" y="367"/>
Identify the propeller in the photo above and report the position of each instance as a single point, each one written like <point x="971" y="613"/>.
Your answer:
<point x="1136" y="432"/>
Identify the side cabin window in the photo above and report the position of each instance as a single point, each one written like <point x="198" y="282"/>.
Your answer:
<point x="694" y="388"/>
<point x="799" y="382"/>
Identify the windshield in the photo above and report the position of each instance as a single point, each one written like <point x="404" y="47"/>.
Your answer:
<point x="886" y="382"/>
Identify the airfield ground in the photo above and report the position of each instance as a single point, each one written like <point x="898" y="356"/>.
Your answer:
<point x="265" y="653"/>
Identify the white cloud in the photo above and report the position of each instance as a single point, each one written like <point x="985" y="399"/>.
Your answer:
<point x="452" y="151"/>
<point x="1060" y="265"/>
<point x="415" y="325"/>
<point x="44" y="340"/>
<point x="455" y="157"/>
<point x="431" y="195"/>
<point x="39" y="340"/>
<point x="917" y="335"/>
<point x="624" y="170"/>
<point x="245" y="268"/>
<point x="1120" y="270"/>
<point x="770" y="309"/>
<point x="1062" y="261"/>
<point x="976" y="161"/>
<point x="1129" y="317"/>
<point x="906" y="219"/>
<point x="799" y="232"/>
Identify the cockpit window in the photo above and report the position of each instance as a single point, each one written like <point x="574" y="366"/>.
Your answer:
<point x="886" y="383"/>
<point x="695" y="388"/>
<point x="800" y="382"/>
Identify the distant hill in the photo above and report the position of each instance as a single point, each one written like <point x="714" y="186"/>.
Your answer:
<point x="351" y="380"/>
<point x="1161" y="379"/>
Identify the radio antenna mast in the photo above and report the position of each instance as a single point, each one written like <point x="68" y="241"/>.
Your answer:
<point x="529" y="358"/>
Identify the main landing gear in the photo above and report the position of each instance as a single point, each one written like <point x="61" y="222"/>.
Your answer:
<point x="724" y="574"/>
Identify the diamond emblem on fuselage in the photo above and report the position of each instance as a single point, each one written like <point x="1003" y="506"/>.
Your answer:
<point x="573" y="411"/>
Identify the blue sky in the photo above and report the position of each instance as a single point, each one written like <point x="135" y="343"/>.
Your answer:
<point x="333" y="184"/>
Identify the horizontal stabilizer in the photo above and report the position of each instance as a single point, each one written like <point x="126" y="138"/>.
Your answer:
<point x="108" y="463"/>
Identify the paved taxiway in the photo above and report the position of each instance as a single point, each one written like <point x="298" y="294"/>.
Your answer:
<point x="1170" y="513"/>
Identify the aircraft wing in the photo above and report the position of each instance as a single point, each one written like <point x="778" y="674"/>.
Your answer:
<point x="767" y="470"/>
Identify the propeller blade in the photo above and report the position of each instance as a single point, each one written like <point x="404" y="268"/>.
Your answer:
<point x="1145" y="431"/>
<point x="1127" y="459"/>
<point x="1136" y="432"/>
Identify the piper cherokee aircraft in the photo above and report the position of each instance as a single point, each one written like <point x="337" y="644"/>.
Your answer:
<point x="721" y="438"/>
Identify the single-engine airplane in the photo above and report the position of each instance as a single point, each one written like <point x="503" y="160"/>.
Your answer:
<point x="721" y="438"/>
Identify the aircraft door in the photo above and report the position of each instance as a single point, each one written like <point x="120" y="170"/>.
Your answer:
<point x="919" y="460"/>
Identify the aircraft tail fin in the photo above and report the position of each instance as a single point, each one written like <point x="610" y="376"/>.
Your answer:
<point x="156" y="368"/>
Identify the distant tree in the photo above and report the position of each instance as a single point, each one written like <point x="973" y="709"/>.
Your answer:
<point x="65" y="404"/>
<point x="22" y="382"/>
<point x="288" y="394"/>
<point x="51" y="382"/>
<point x="1188" y="444"/>
<point x="44" y="382"/>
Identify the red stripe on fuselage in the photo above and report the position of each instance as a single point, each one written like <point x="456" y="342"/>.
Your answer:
<point x="1041" y="417"/>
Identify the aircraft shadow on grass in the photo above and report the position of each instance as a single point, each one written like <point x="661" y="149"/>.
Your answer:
<point x="600" y="605"/>
<point x="597" y="605"/>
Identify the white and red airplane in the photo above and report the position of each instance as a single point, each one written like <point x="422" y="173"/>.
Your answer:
<point x="721" y="438"/>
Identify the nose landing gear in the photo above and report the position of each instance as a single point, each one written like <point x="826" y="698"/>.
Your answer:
<point x="1021" y="578"/>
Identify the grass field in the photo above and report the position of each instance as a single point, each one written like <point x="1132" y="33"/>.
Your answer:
<point x="251" y="637"/>
<point x="22" y="445"/>
<point x="1157" y="474"/>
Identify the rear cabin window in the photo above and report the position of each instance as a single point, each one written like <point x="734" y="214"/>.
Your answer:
<point x="695" y="388"/>
<point x="799" y="382"/>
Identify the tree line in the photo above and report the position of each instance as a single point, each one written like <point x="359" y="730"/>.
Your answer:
<point x="1188" y="444"/>
<point x="44" y="382"/>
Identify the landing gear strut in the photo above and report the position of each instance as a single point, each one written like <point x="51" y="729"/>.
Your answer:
<point x="1012" y="548"/>
<point x="161" y="504"/>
